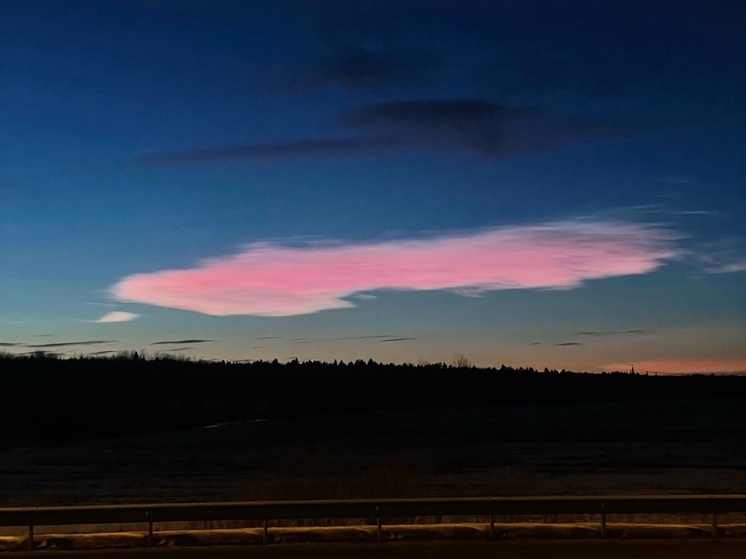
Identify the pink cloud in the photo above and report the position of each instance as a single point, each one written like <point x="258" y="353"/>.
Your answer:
<point x="274" y="280"/>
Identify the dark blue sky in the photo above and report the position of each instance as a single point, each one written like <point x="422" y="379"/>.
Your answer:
<point x="537" y="183"/>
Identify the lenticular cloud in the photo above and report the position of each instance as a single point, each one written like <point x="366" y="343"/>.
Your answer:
<point x="117" y="316"/>
<point x="275" y="280"/>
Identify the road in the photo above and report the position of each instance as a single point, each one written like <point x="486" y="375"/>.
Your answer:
<point x="526" y="549"/>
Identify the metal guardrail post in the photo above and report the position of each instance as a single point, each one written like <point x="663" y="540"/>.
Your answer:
<point x="492" y="526"/>
<point x="31" y="536"/>
<point x="265" y="530"/>
<point x="149" y="541"/>
<point x="378" y="525"/>
<point x="603" y="521"/>
<point x="714" y="525"/>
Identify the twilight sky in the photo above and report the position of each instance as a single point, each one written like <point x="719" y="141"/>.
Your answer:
<point x="533" y="183"/>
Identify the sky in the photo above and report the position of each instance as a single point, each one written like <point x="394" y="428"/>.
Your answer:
<point x="537" y="184"/>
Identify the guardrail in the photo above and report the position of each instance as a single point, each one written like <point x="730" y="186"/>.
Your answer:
<point x="379" y="509"/>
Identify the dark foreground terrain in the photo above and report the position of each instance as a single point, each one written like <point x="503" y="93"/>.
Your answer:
<point x="164" y="431"/>
<point x="634" y="447"/>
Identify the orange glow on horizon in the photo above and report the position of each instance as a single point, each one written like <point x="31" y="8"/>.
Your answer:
<point x="683" y="365"/>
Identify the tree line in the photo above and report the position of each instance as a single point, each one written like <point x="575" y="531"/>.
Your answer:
<point x="50" y="400"/>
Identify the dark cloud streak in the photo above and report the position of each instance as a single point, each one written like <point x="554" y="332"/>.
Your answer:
<point x="485" y="128"/>
<point x="319" y="146"/>
<point x="65" y="344"/>
<point x="468" y="126"/>
<point x="167" y="342"/>
<point x="430" y="113"/>
<point x="360" y="68"/>
<point x="602" y="333"/>
<point x="373" y="337"/>
<point x="397" y="340"/>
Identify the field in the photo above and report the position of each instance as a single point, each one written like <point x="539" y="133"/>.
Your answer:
<point x="653" y="447"/>
<point x="640" y="447"/>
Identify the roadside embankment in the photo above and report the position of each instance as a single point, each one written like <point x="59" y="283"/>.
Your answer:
<point x="363" y="534"/>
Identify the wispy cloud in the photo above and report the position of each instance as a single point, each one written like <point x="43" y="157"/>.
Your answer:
<point x="11" y="344"/>
<point x="729" y="267"/>
<point x="165" y="342"/>
<point x="564" y="344"/>
<point x="677" y="180"/>
<point x="484" y="127"/>
<point x="476" y="126"/>
<point x="358" y="68"/>
<point x="602" y="333"/>
<point x="318" y="146"/>
<point x="362" y="68"/>
<point x="697" y="212"/>
<point x="397" y="340"/>
<point x="272" y="280"/>
<point x="672" y="212"/>
<point x="724" y="256"/>
<point x="64" y="344"/>
<point x="117" y="316"/>
<point x="373" y="337"/>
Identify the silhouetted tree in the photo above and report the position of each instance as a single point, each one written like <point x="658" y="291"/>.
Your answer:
<point x="460" y="361"/>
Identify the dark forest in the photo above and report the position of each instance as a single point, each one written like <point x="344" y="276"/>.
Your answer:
<point x="50" y="401"/>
